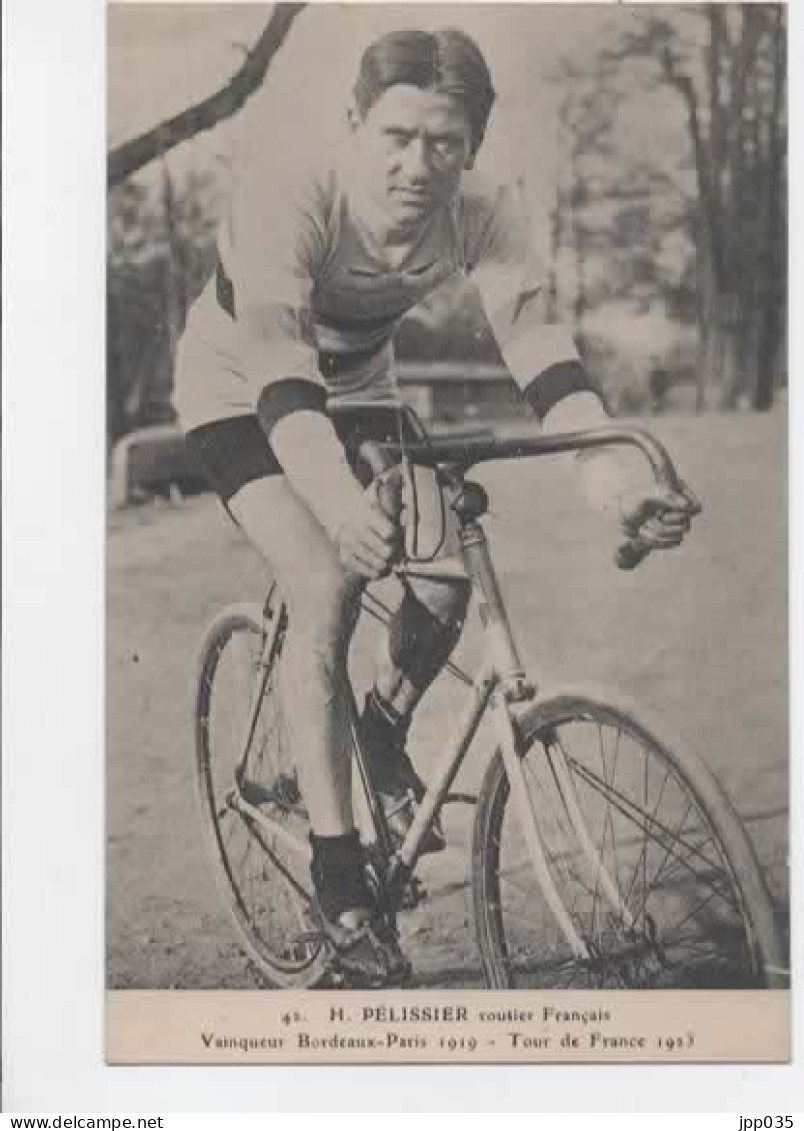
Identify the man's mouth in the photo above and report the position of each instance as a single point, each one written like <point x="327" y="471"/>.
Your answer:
<point x="413" y="195"/>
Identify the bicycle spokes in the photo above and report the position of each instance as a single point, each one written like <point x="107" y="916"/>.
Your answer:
<point x="260" y="825"/>
<point x="638" y="868"/>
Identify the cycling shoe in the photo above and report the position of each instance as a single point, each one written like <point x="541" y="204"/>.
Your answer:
<point x="366" y="950"/>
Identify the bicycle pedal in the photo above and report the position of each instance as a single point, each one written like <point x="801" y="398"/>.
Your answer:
<point x="413" y="894"/>
<point x="335" y="978"/>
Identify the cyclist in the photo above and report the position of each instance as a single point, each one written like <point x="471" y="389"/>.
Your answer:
<point x="316" y="268"/>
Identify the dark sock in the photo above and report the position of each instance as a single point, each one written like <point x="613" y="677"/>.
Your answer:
<point x="338" y="872"/>
<point x="384" y="734"/>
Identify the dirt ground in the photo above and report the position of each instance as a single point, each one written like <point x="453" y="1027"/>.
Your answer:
<point x="700" y="636"/>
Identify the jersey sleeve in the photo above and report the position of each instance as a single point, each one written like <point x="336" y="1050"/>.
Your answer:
<point x="510" y="272"/>
<point x="274" y="247"/>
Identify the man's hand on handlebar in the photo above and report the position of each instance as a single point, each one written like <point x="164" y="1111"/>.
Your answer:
<point x="655" y="509"/>
<point x="657" y="519"/>
<point x="653" y="515"/>
<point x="368" y="539"/>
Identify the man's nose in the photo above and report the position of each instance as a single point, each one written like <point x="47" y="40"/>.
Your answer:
<point x="417" y="164"/>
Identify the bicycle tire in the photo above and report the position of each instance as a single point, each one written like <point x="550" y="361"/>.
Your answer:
<point x="740" y="948"/>
<point x="256" y="903"/>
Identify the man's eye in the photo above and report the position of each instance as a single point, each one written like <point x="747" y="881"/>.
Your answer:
<point x="446" y="146"/>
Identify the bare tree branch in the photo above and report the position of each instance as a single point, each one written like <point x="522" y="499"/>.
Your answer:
<point x="133" y="155"/>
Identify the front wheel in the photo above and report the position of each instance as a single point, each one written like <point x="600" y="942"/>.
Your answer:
<point x="653" y="867"/>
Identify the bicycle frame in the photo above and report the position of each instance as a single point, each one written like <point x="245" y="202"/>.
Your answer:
<point x="502" y="681"/>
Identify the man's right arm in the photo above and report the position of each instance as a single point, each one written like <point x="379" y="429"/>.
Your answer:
<point x="277" y="241"/>
<point x="276" y="249"/>
<point x="291" y="408"/>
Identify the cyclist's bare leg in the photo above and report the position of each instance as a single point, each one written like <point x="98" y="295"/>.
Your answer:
<point x="323" y="604"/>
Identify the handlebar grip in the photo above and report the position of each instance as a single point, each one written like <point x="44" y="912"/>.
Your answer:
<point x="631" y="552"/>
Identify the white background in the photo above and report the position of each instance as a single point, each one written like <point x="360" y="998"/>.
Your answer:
<point x="53" y="710"/>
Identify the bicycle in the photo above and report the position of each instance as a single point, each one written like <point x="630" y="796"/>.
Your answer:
<point x="604" y="852"/>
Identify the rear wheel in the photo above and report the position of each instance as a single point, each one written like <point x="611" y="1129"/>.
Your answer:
<point x="661" y="884"/>
<point x="255" y="826"/>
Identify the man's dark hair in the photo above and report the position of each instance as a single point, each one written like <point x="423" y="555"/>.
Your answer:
<point x="446" y="61"/>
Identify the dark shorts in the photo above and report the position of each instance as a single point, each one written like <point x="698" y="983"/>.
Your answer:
<point x="235" y="451"/>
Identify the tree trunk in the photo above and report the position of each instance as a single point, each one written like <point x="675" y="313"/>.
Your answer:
<point x="708" y="373"/>
<point x="175" y="299"/>
<point x="115" y="389"/>
<point x="728" y="335"/>
<point x="707" y="363"/>
<point x="772" y="258"/>
<point x="555" y="251"/>
<point x="770" y="342"/>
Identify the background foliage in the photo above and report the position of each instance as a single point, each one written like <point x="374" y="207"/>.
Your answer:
<point x="666" y="227"/>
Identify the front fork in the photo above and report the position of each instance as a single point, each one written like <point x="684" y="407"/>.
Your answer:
<point x="512" y="686"/>
<point x="597" y="873"/>
<point x="515" y="771"/>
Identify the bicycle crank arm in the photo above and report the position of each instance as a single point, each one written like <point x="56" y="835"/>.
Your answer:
<point x="300" y="847"/>
<point x="522" y="802"/>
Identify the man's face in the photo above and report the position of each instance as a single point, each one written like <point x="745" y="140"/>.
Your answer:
<point x="413" y="146"/>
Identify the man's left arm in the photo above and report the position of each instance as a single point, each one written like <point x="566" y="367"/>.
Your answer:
<point x="539" y="350"/>
<point x="542" y="357"/>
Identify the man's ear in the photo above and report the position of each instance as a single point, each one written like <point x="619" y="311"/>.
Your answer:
<point x="470" y="160"/>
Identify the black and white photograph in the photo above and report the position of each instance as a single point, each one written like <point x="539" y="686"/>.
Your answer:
<point x="446" y="527"/>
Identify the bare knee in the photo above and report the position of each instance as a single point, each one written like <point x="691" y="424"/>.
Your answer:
<point x="321" y="597"/>
<point x="323" y="606"/>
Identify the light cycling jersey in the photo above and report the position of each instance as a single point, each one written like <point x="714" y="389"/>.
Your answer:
<point x="306" y="289"/>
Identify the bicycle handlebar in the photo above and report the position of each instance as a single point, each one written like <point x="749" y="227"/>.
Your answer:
<point x="463" y="452"/>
